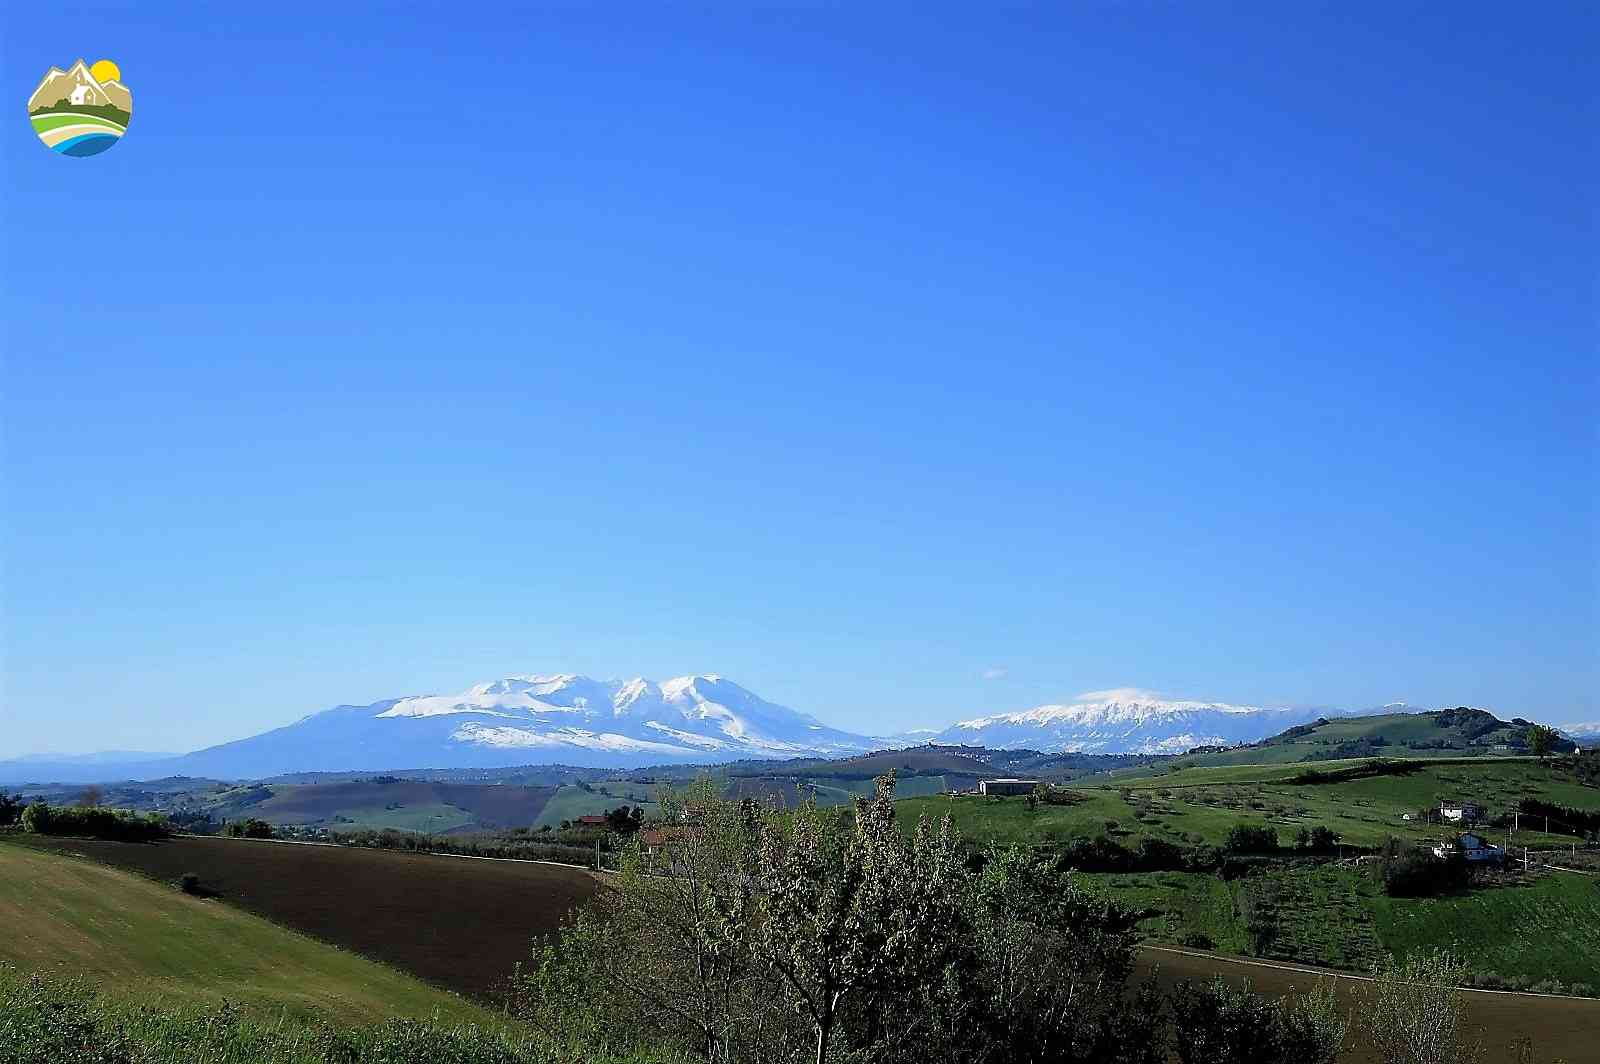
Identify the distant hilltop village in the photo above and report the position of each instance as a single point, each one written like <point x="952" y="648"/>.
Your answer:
<point x="78" y="88"/>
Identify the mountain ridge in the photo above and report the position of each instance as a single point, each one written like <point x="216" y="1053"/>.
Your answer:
<point x="702" y="718"/>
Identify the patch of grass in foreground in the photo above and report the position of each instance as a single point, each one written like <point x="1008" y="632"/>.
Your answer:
<point x="153" y="942"/>
<point x="1549" y="929"/>
<point x="53" y="1021"/>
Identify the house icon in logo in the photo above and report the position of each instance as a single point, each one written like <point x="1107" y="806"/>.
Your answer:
<point x="82" y="110"/>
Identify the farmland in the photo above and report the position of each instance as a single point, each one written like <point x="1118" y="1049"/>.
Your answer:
<point x="458" y="923"/>
<point x="151" y="941"/>
<point x="1196" y="806"/>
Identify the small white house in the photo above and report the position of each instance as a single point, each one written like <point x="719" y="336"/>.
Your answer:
<point x="997" y="787"/>
<point x="1474" y="847"/>
<point x="1460" y="811"/>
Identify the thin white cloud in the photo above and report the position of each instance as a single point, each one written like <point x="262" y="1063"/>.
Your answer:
<point x="997" y="672"/>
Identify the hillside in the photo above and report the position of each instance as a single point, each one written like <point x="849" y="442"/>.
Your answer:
<point x="1459" y="732"/>
<point x="149" y="940"/>
<point x="1363" y="801"/>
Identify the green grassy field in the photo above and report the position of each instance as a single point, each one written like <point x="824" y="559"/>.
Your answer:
<point x="571" y="802"/>
<point x="1199" y="805"/>
<point x="152" y="942"/>
<point x="1549" y="929"/>
<point x="1336" y="917"/>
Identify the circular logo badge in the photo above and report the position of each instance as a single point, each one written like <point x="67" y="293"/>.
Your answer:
<point x="83" y="110"/>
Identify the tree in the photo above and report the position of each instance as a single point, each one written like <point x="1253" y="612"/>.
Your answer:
<point x="824" y="909"/>
<point x="1054" y="967"/>
<point x="91" y="797"/>
<point x="668" y="946"/>
<point x="1415" y="1014"/>
<point x="11" y="807"/>
<point x="1542" y="740"/>
<point x="1252" y="838"/>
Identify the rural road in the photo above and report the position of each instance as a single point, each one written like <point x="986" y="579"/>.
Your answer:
<point x="1565" y="1028"/>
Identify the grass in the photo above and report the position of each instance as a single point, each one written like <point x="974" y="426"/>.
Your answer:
<point x="1198" y="805"/>
<point x="51" y="1020"/>
<point x="458" y="923"/>
<point x="426" y="818"/>
<point x="1181" y="908"/>
<point x="153" y="942"/>
<point x="1548" y="929"/>
<point x="571" y="802"/>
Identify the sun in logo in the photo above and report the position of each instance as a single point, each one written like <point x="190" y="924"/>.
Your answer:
<point x="82" y="110"/>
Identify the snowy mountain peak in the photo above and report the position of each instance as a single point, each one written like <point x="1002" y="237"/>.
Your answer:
<point x="685" y="718"/>
<point x="1126" y="719"/>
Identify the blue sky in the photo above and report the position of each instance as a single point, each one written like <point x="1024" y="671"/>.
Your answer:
<point x="901" y="365"/>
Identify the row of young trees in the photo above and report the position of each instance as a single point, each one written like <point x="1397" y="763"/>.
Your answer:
<point x="740" y="936"/>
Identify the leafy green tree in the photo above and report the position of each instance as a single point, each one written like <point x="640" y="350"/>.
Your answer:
<point x="1542" y="740"/>
<point x="668" y="947"/>
<point x="1252" y="838"/>
<point x="1055" y="965"/>
<point x="827" y="909"/>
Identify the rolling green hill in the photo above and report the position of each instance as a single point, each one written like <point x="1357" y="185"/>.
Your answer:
<point x="1365" y="801"/>
<point x="150" y="941"/>
<point x="1459" y="732"/>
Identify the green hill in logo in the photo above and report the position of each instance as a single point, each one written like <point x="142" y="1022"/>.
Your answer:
<point x="82" y="110"/>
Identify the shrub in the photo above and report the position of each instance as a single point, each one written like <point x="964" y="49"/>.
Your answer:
<point x="249" y="829"/>
<point x="92" y="822"/>
<point x="1098" y="854"/>
<point x="1407" y="871"/>
<point x="1252" y="838"/>
<point x="189" y="883"/>
<point x="1218" y="1022"/>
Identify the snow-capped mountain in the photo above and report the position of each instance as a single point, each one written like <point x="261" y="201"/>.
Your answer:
<point x="1583" y="734"/>
<point x="520" y="720"/>
<point x="1129" y="720"/>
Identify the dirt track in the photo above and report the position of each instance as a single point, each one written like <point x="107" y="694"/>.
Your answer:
<point x="1562" y="1028"/>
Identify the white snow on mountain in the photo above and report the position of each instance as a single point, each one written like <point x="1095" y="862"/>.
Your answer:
<point x="688" y="716"/>
<point x="1126" y="720"/>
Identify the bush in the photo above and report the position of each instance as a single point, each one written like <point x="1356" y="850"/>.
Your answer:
<point x="1252" y="838"/>
<point x="189" y="883"/>
<point x="1407" y="871"/>
<point x="1158" y="855"/>
<point x="119" y="825"/>
<point x="1217" y="1022"/>
<point x="1098" y="854"/>
<point x="249" y="829"/>
<point x="44" y="1020"/>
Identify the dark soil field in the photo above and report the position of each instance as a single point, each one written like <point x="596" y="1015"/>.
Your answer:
<point x="460" y="923"/>
<point x="1561" y="1028"/>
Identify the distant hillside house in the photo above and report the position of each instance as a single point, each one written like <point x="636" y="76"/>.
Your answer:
<point x="1466" y="812"/>
<point x="1474" y="847"/>
<point x="591" y="821"/>
<point x="995" y="788"/>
